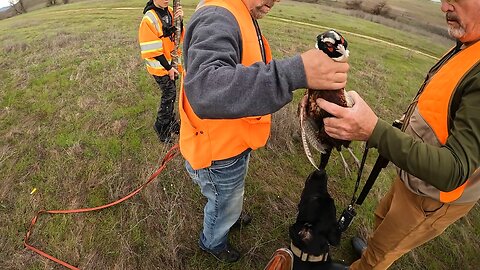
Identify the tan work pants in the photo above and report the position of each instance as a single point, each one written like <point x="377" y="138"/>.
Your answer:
<point x="404" y="221"/>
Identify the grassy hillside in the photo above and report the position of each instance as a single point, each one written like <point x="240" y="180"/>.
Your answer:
<point x="418" y="16"/>
<point x="76" y="113"/>
<point x="404" y="10"/>
<point x="29" y="5"/>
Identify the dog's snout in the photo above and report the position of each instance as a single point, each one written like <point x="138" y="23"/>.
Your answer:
<point x="306" y="234"/>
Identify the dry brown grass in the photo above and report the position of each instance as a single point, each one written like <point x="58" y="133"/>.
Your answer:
<point x="76" y="124"/>
<point x="285" y="134"/>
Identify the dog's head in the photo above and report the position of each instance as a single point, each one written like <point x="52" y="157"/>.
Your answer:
<point x="316" y="224"/>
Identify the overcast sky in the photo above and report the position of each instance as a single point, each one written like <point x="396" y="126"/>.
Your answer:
<point x="3" y="3"/>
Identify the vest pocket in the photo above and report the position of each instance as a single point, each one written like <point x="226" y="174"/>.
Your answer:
<point x="195" y="143"/>
<point x="258" y="131"/>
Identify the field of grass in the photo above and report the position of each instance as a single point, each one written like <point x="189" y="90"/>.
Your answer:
<point x="76" y="113"/>
<point x="418" y="16"/>
<point x="403" y="10"/>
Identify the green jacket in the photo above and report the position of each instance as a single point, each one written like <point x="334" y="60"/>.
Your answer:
<point x="448" y="166"/>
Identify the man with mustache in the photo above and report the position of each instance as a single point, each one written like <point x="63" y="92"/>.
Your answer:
<point x="231" y="87"/>
<point x="437" y="151"/>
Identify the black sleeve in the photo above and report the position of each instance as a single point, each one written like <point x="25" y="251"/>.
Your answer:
<point x="163" y="61"/>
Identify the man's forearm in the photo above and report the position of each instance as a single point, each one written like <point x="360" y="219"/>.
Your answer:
<point x="434" y="165"/>
<point x="218" y="86"/>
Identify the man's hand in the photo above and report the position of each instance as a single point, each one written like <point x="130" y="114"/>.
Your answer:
<point x="172" y="72"/>
<point x="355" y="123"/>
<point x="178" y="13"/>
<point x="322" y="72"/>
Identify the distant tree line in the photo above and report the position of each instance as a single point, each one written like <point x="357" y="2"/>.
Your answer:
<point x="380" y="8"/>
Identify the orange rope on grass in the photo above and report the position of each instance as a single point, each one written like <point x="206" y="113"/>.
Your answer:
<point x="168" y="157"/>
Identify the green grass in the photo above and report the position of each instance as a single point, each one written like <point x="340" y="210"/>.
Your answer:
<point x="76" y="114"/>
<point x="321" y="16"/>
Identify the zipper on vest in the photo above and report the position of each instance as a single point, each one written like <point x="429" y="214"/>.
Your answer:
<point x="260" y="40"/>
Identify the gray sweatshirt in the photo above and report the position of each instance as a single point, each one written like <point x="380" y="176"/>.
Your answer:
<point x="218" y="86"/>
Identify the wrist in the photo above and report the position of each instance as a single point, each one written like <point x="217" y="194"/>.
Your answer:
<point x="378" y="130"/>
<point x="372" y="125"/>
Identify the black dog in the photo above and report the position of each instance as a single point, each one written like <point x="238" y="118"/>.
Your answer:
<point x="316" y="226"/>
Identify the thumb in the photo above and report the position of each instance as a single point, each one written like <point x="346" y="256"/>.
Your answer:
<point x="330" y="107"/>
<point x="355" y="97"/>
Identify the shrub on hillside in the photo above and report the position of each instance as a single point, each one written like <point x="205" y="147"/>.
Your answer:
<point x="54" y="2"/>
<point x="381" y="8"/>
<point x="354" y="4"/>
<point x="51" y="3"/>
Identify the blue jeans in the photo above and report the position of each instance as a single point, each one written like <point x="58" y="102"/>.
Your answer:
<point x="223" y="185"/>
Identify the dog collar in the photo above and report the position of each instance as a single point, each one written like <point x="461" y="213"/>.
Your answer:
<point x="308" y="257"/>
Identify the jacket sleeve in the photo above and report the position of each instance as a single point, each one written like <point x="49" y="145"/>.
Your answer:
<point x="446" y="167"/>
<point x="218" y="86"/>
<point x="149" y="34"/>
<point x="163" y="61"/>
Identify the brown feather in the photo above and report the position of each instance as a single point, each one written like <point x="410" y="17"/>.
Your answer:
<point x="316" y="114"/>
<point x="335" y="46"/>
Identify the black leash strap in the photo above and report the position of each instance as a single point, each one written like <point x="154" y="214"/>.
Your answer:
<point x="349" y="213"/>
<point x="380" y="163"/>
<point x="359" y="175"/>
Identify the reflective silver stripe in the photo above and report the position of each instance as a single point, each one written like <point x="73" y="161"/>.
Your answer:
<point x="154" y="63"/>
<point x="153" y="19"/>
<point x="151" y="46"/>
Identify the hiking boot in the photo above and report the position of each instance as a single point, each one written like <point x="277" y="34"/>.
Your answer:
<point x="359" y="246"/>
<point x="243" y="220"/>
<point x="228" y="255"/>
<point x="163" y="133"/>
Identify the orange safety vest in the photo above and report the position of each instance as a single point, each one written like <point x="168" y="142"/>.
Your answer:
<point x="205" y="140"/>
<point x="153" y="44"/>
<point x="429" y="122"/>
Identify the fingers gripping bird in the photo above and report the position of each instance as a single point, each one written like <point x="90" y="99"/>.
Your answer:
<point x="311" y="116"/>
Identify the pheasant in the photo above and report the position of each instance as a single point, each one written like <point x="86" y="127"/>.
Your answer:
<point x="311" y="116"/>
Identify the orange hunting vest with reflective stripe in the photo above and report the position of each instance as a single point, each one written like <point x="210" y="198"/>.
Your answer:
<point x="152" y="43"/>
<point x="205" y="140"/>
<point x="429" y="123"/>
